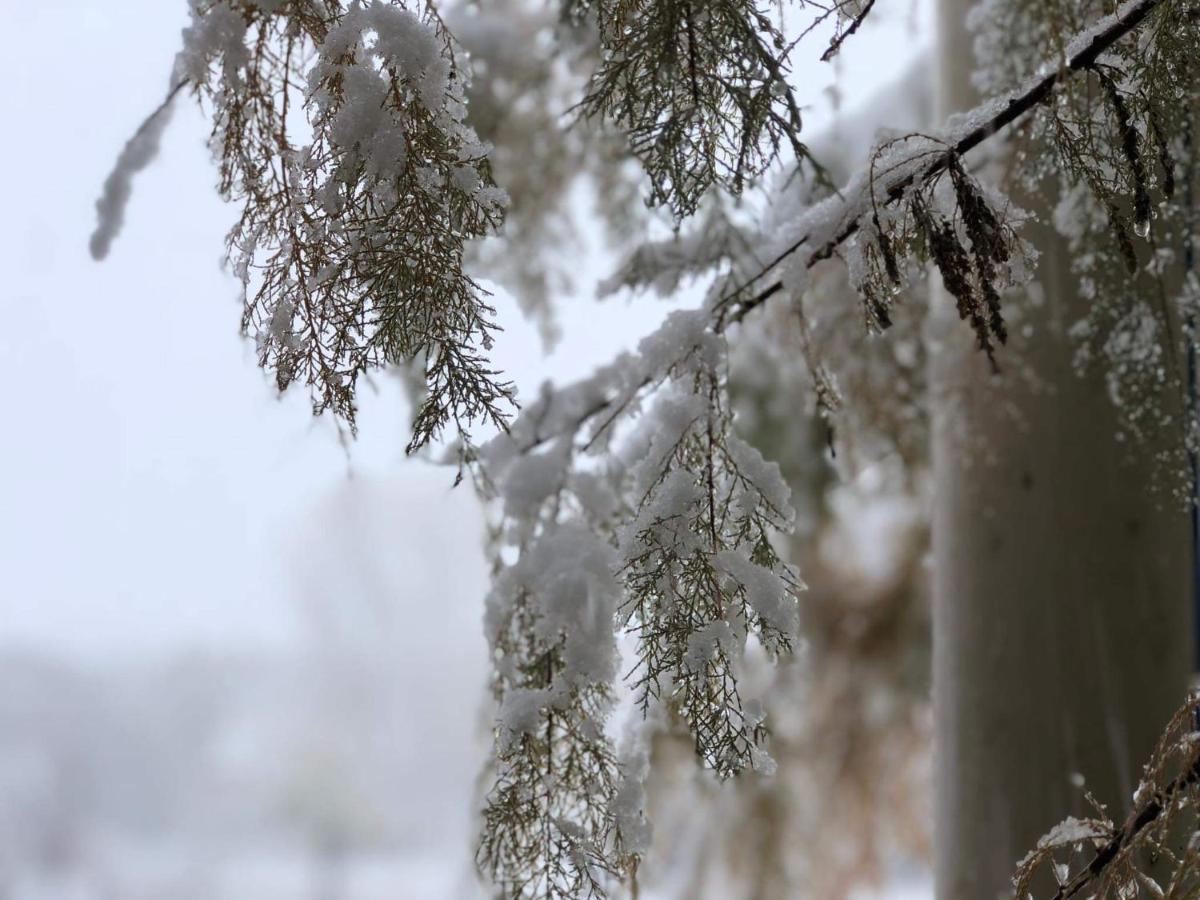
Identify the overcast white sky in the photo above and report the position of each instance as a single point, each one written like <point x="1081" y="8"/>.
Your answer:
<point x="154" y="493"/>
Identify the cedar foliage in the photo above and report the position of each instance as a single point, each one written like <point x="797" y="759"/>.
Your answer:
<point x="341" y="130"/>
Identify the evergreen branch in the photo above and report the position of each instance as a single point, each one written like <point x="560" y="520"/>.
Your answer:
<point x="700" y="90"/>
<point x="918" y="168"/>
<point x="1138" y="821"/>
<point x="1124" y="22"/>
<point x="351" y="239"/>
<point x="836" y="44"/>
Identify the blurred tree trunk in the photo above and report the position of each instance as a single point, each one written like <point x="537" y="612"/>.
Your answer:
<point x="1061" y="586"/>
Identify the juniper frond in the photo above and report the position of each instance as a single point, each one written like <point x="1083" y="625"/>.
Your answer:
<point x="548" y="828"/>
<point x="701" y="572"/>
<point x="594" y="550"/>
<point x="558" y="819"/>
<point x="948" y="219"/>
<point x="339" y="129"/>
<point x="529" y="69"/>
<point x="701" y="89"/>
<point x="714" y="240"/>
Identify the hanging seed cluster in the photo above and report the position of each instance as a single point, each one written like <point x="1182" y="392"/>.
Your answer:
<point x="949" y="221"/>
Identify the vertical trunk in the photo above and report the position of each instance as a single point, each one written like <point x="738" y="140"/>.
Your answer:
<point x="1061" y="586"/>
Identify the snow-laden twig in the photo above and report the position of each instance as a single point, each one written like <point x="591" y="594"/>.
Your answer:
<point x="1167" y="792"/>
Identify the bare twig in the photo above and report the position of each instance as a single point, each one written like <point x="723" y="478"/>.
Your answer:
<point x="836" y="44"/>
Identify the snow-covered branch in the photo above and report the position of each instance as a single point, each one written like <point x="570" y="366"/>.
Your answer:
<point x="899" y="169"/>
<point x="1117" y="866"/>
<point x="830" y="225"/>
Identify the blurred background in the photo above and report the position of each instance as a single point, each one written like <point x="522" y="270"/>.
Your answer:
<point x="241" y="654"/>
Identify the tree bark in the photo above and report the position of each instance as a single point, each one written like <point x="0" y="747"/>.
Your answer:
<point x="1062" y="592"/>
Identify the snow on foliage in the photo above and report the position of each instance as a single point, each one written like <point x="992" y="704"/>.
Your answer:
<point x="340" y="129"/>
<point x="656" y="536"/>
<point x="1144" y="856"/>
<point x="1121" y="168"/>
<point x="627" y="501"/>
<point x="700" y="571"/>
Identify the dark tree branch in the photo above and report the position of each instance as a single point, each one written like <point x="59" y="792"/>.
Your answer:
<point x="1126" y="20"/>
<point x="1137" y="821"/>
<point x="1123" y="22"/>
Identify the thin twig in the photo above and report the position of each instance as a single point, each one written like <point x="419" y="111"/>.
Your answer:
<point x="836" y="44"/>
<point x="1137" y="821"/>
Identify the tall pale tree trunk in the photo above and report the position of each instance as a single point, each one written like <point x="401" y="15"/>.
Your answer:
<point x="1061" y="586"/>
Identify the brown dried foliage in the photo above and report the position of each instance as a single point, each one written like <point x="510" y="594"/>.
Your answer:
<point x="351" y="261"/>
<point x="1153" y="853"/>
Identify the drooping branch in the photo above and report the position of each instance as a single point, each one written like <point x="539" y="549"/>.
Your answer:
<point x="986" y="120"/>
<point x="831" y="223"/>
<point x="700" y="89"/>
